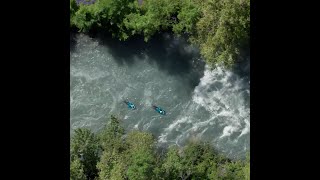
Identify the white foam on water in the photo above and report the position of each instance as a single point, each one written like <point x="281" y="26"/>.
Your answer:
<point x="201" y="133"/>
<point x="147" y="125"/>
<point x="136" y="126"/>
<point x="162" y="139"/>
<point x="246" y="129"/>
<point x="221" y="92"/>
<point x="89" y="75"/>
<point x="148" y="95"/>
<point x="217" y="109"/>
<point x="228" y="130"/>
<point x="176" y="123"/>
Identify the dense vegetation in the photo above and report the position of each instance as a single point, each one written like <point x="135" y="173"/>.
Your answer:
<point x="114" y="154"/>
<point x="221" y="28"/>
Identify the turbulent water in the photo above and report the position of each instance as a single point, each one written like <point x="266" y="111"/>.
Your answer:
<point x="210" y="105"/>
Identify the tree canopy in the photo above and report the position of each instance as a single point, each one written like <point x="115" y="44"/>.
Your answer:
<point x="114" y="154"/>
<point x="220" y="28"/>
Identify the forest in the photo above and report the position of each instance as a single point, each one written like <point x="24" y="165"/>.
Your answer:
<point x="113" y="153"/>
<point x="219" y="28"/>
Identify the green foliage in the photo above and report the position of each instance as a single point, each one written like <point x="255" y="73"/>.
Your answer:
<point x="195" y="161"/>
<point x="172" y="165"/>
<point x="111" y="165"/>
<point x="140" y="155"/>
<point x="246" y="168"/>
<point x="76" y="170"/>
<point x="73" y="9"/>
<point x="111" y="15"/>
<point x="111" y="136"/>
<point x="188" y="16"/>
<point x="221" y="28"/>
<point x="140" y="140"/>
<point x="84" y="147"/>
<point x="84" y="18"/>
<point x="134" y="157"/>
<point x="221" y="31"/>
<point x="153" y="16"/>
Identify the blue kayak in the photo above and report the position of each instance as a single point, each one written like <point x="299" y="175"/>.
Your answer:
<point x="159" y="110"/>
<point x="130" y="105"/>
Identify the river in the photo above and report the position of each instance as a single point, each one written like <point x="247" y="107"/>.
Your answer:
<point x="204" y="104"/>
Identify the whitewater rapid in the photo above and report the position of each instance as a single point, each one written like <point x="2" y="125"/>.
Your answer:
<point x="209" y="105"/>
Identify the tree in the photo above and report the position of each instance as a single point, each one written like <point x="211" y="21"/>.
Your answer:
<point x="153" y="16"/>
<point x="231" y="170"/>
<point x="76" y="170"/>
<point x="73" y="9"/>
<point x="188" y="15"/>
<point x="195" y="161"/>
<point x="111" y="14"/>
<point x="84" y="18"/>
<point x="246" y="168"/>
<point x="172" y="165"/>
<point x="222" y="30"/>
<point x="84" y="147"/>
<point x="133" y="156"/>
<point x="112" y="163"/>
<point x="140" y="155"/>
<point x="111" y="135"/>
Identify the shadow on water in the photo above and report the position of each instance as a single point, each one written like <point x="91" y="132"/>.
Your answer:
<point x="242" y="69"/>
<point x="167" y="52"/>
<point x="242" y="66"/>
<point x="72" y="41"/>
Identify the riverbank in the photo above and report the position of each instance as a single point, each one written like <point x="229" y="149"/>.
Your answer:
<point x="114" y="153"/>
<point x="221" y="29"/>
